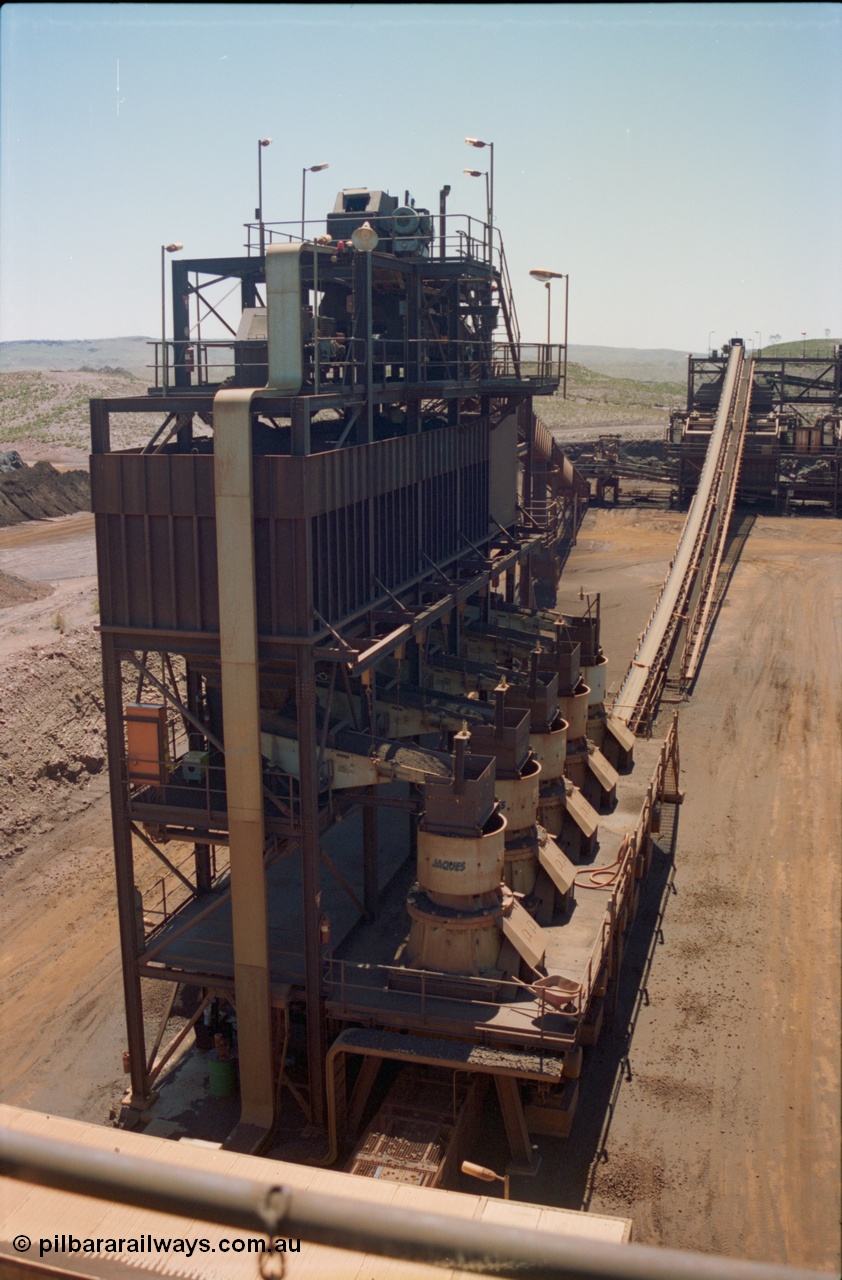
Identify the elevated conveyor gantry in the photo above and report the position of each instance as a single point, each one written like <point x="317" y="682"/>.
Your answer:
<point x="686" y="594"/>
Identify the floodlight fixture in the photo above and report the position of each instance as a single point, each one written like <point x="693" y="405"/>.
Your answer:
<point x="365" y="238"/>
<point x="313" y="168"/>
<point x="261" y="143"/>
<point x="173" y="247"/>
<point x="545" y="277"/>
<point x="479" y="142"/>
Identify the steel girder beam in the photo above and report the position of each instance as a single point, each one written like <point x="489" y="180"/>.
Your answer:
<point x="130" y="943"/>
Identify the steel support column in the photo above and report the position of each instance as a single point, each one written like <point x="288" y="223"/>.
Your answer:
<point x="363" y="331"/>
<point x="525" y="590"/>
<point x="204" y="878"/>
<point x="300" y="427"/>
<point x="130" y="944"/>
<point x="305" y="696"/>
<point x="371" y="872"/>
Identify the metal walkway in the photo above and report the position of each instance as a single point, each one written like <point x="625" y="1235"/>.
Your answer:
<point x="688" y="591"/>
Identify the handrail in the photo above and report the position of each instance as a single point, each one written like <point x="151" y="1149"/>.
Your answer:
<point x="272" y="1209"/>
<point x="379" y="975"/>
<point x="466" y="237"/>
<point x="208" y="363"/>
<point x="509" y="294"/>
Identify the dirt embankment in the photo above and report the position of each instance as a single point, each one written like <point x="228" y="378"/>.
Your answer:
<point x="15" y="590"/>
<point x="51" y="701"/>
<point x="46" y="416"/>
<point x="40" y="492"/>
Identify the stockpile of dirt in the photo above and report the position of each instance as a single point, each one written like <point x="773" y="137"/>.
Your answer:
<point x="50" y="700"/>
<point x="15" y="590"/>
<point x="36" y="493"/>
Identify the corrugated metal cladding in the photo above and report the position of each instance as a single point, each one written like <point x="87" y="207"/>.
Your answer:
<point x="369" y="512"/>
<point x="757" y="472"/>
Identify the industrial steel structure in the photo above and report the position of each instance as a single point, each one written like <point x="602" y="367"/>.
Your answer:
<point x="793" y="446"/>
<point x="332" y="695"/>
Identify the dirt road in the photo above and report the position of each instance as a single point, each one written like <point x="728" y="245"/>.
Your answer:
<point x="57" y="557"/>
<point x="59" y="960"/>
<point x="726" y="1135"/>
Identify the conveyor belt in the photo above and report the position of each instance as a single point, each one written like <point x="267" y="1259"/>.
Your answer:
<point x="685" y="590"/>
<point x="699" y="626"/>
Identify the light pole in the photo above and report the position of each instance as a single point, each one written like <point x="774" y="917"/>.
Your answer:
<point x="759" y="343"/>
<point x="478" y="142"/>
<point x="261" y="143"/>
<point x="546" y="278"/>
<point x="314" y="168"/>
<point x="486" y="1175"/>
<point x="710" y="335"/>
<point x="803" y="343"/>
<point x="481" y="173"/>
<point x="165" y="249"/>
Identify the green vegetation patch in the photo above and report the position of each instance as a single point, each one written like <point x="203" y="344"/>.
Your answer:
<point x="595" y="398"/>
<point x="54" y="408"/>
<point x="815" y="348"/>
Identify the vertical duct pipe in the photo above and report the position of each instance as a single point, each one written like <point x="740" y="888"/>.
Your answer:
<point x="233" y="484"/>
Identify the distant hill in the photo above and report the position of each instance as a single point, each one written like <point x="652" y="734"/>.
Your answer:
<point x="599" y="401"/>
<point x="134" y="355"/>
<point x="108" y="355"/>
<point x="663" y="365"/>
<point x="821" y="348"/>
<point x="642" y="364"/>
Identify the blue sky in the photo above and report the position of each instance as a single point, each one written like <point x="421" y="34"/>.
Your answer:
<point x="682" y="162"/>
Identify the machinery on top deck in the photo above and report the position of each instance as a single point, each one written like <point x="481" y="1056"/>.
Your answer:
<point x="384" y="307"/>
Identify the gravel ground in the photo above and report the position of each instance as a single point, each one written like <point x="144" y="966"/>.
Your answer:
<point x="716" y="1126"/>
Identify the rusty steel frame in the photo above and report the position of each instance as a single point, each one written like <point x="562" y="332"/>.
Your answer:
<point x="792" y="387"/>
<point x="314" y="513"/>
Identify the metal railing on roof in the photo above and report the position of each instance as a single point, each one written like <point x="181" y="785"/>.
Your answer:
<point x="342" y="363"/>
<point x="466" y="238"/>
